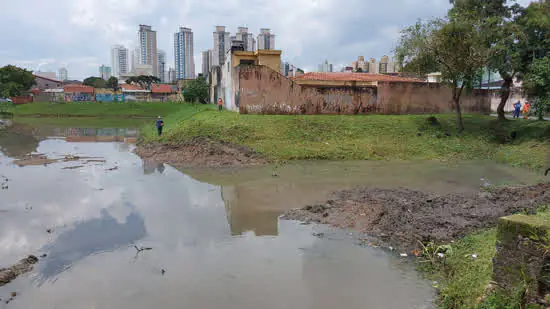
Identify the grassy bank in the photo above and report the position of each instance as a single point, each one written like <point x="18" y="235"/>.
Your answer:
<point x="87" y="122"/>
<point x="94" y="109"/>
<point x="462" y="279"/>
<point x="402" y="137"/>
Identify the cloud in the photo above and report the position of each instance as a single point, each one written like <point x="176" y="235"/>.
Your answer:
<point x="79" y="34"/>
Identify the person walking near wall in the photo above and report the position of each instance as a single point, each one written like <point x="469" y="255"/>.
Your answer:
<point x="526" y="110"/>
<point x="517" y="109"/>
<point x="160" y="125"/>
<point x="220" y="104"/>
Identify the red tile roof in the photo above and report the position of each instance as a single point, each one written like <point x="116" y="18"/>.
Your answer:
<point x="162" y="88"/>
<point x="46" y="78"/>
<point x="358" y="77"/>
<point x="78" y="88"/>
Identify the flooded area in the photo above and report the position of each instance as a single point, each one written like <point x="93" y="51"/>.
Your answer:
<point x="113" y="231"/>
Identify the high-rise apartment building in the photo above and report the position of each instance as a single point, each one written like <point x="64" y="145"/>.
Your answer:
<point x="119" y="60"/>
<point x="171" y="75"/>
<point x="247" y="38"/>
<point x="325" y="67"/>
<point x="105" y="72"/>
<point x="161" y="55"/>
<point x="147" y="38"/>
<point x="63" y="75"/>
<point x="266" y="40"/>
<point x="135" y="59"/>
<point x="221" y="44"/>
<point x="206" y="62"/>
<point x="183" y="54"/>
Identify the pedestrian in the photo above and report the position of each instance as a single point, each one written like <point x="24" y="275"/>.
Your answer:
<point x="160" y="125"/>
<point x="220" y="104"/>
<point x="517" y="109"/>
<point x="526" y="110"/>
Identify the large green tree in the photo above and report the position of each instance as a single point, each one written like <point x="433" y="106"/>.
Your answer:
<point x="196" y="90"/>
<point x="93" y="81"/>
<point x="144" y="81"/>
<point x="14" y="81"/>
<point x="453" y="46"/>
<point x="502" y="36"/>
<point x="537" y="84"/>
<point x="112" y="83"/>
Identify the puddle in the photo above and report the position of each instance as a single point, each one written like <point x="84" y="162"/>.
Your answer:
<point x="215" y="237"/>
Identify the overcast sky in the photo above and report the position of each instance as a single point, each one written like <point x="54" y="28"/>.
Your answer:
<point x="46" y="35"/>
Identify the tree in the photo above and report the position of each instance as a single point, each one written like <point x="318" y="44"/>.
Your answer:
<point x="537" y="83"/>
<point x="502" y="36"/>
<point x="196" y="90"/>
<point x="456" y="47"/>
<point x="96" y="82"/>
<point x="112" y="83"/>
<point x="14" y="81"/>
<point x="144" y="81"/>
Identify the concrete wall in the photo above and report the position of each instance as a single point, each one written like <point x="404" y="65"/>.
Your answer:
<point x="515" y="95"/>
<point x="260" y="90"/>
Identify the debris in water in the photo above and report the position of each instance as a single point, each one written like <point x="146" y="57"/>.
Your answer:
<point x="4" y="183"/>
<point x="49" y="231"/>
<point x="320" y="235"/>
<point x="73" y="167"/>
<point x="23" y="266"/>
<point x="403" y="255"/>
<point x="13" y="294"/>
<point x="162" y="271"/>
<point x="112" y="169"/>
<point x="43" y="255"/>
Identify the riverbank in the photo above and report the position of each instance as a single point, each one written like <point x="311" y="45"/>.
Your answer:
<point x="95" y="109"/>
<point x="361" y="137"/>
<point x="452" y="236"/>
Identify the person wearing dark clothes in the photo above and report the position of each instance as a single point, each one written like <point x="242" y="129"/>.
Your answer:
<point x="160" y="124"/>
<point x="517" y="109"/>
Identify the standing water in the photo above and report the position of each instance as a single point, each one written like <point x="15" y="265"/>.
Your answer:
<point x="116" y="232"/>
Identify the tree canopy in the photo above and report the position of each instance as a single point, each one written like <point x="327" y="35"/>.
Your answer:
<point x="96" y="82"/>
<point x="14" y="81"/>
<point x="112" y="83"/>
<point x="196" y="90"/>
<point x="144" y="81"/>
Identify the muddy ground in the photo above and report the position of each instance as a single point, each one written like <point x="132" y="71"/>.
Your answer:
<point x="402" y="217"/>
<point x="23" y="266"/>
<point x="201" y="152"/>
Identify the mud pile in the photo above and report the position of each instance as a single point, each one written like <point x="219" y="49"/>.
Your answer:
<point x="23" y="266"/>
<point x="201" y="152"/>
<point x="403" y="217"/>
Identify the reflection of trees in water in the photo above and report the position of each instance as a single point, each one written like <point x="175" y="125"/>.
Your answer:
<point x="18" y="140"/>
<point x="150" y="166"/>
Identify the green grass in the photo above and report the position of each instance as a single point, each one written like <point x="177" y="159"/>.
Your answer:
<point x="462" y="279"/>
<point x="95" y="109"/>
<point x="359" y="137"/>
<point x="91" y="122"/>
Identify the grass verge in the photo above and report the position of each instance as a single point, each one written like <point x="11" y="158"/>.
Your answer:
<point x="95" y="109"/>
<point x="362" y="137"/>
<point x="467" y="270"/>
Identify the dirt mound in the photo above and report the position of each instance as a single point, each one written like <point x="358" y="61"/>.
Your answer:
<point x="401" y="217"/>
<point x="23" y="266"/>
<point x="201" y="152"/>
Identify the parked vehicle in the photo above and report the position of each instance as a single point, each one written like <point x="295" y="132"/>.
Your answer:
<point x="5" y="100"/>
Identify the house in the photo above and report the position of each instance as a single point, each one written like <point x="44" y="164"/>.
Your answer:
<point x="162" y="92"/>
<point x="78" y="93"/>
<point x="43" y="83"/>
<point x="134" y="93"/>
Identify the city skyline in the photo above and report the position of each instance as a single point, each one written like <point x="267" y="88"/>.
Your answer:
<point x="184" y="61"/>
<point x="309" y="33"/>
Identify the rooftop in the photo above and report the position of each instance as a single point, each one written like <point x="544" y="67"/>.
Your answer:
<point x="357" y="77"/>
<point x="161" y="88"/>
<point x="46" y="78"/>
<point x="78" y="88"/>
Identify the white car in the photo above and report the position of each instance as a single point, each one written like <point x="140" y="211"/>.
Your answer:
<point x="5" y="100"/>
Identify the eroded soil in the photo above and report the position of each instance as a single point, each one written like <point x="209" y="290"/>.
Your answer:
<point x="23" y="266"/>
<point x="201" y="152"/>
<point x="403" y="217"/>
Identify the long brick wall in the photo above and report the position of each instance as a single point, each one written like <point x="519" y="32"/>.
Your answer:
<point x="260" y="90"/>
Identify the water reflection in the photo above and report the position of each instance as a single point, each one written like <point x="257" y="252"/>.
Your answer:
<point x="90" y="237"/>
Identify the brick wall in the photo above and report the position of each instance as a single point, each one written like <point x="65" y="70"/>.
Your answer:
<point x="260" y="90"/>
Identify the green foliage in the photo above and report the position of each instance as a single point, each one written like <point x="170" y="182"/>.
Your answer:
<point x="196" y="90"/>
<point x="14" y="81"/>
<point x="96" y="82"/>
<point x="112" y="83"/>
<point x="144" y="81"/>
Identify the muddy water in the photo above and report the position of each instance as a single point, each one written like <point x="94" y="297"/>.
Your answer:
<point x="214" y="236"/>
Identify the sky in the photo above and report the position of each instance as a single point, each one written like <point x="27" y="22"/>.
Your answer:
<point x="46" y="35"/>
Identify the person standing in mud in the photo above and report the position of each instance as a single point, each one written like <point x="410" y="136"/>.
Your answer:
<point x="220" y="104"/>
<point x="160" y="125"/>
